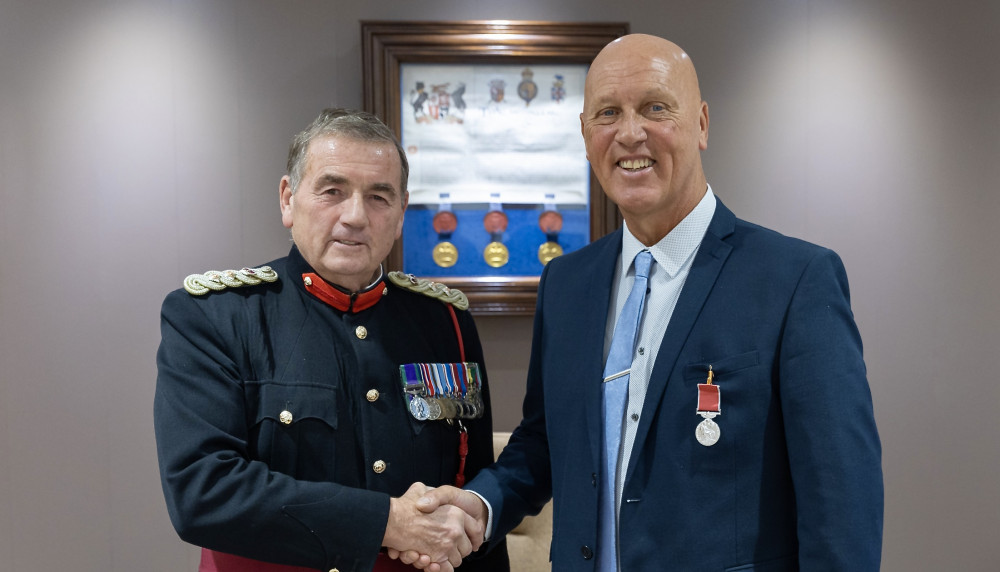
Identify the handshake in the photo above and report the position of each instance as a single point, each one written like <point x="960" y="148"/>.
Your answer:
<point x="435" y="528"/>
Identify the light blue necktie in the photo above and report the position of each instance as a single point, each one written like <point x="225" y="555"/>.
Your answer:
<point x="616" y="376"/>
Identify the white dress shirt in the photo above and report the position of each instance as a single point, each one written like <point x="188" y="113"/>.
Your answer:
<point x="673" y="256"/>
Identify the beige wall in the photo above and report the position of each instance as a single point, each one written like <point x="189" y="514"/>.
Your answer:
<point x="141" y="141"/>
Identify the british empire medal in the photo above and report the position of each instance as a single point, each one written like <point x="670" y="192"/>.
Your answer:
<point x="709" y="406"/>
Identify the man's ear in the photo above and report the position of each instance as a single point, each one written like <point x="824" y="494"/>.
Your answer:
<point x="402" y="217"/>
<point x="703" y="123"/>
<point x="285" y="199"/>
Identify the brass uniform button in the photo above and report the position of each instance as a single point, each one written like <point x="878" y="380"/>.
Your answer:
<point x="285" y="417"/>
<point x="361" y="332"/>
<point x="372" y="395"/>
<point x="379" y="466"/>
<point x="307" y="281"/>
<point x="334" y="570"/>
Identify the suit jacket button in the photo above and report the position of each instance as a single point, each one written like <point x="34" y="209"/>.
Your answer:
<point x="379" y="466"/>
<point x="586" y="552"/>
<point x="372" y="395"/>
<point x="593" y="479"/>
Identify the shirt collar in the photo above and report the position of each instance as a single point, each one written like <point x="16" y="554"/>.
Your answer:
<point x="673" y="250"/>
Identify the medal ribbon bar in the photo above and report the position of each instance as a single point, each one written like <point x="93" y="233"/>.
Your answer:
<point x="452" y="388"/>
<point x="709" y="398"/>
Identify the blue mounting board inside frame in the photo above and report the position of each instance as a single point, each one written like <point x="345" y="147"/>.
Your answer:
<point x="522" y="239"/>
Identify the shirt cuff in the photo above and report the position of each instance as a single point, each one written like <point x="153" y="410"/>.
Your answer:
<point x="489" y="516"/>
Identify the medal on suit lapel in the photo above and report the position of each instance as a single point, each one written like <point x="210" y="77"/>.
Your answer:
<point x="709" y="406"/>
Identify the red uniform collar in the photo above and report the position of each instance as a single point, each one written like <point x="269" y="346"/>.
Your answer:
<point x="341" y="299"/>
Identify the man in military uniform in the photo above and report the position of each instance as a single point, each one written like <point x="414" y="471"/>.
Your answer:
<point x="286" y="440"/>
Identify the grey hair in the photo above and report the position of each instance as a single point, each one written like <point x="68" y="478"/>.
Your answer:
<point x="350" y="123"/>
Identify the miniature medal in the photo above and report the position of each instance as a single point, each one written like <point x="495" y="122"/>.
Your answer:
<point x="418" y="408"/>
<point x="413" y="388"/>
<point x="433" y="410"/>
<point x="448" y="408"/>
<point x="442" y="391"/>
<point x="709" y="406"/>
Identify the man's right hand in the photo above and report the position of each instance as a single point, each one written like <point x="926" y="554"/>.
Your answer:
<point x="432" y="534"/>
<point x="434" y="500"/>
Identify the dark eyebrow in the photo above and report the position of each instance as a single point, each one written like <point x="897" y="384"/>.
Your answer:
<point x="329" y="179"/>
<point x="332" y="179"/>
<point x="384" y="187"/>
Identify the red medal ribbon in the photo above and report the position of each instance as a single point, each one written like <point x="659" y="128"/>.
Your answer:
<point x="463" y="452"/>
<point x="709" y="398"/>
<point x="425" y="372"/>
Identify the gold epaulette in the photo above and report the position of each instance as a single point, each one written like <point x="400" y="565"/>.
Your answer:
<point x="430" y="288"/>
<point x="199" y="284"/>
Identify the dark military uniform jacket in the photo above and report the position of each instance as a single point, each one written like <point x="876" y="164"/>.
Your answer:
<point x="281" y="426"/>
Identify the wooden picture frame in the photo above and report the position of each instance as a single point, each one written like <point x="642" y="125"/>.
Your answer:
<point x="386" y="45"/>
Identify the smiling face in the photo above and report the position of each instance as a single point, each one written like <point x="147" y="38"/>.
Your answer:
<point x="644" y="126"/>
<point x="347" y="210"/>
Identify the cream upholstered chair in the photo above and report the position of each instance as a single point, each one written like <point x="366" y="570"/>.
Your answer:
<point x="528" y="544"/>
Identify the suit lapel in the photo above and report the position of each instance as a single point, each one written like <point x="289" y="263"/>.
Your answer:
<point x="598" y="294"/>
<point x="705" y="269"/>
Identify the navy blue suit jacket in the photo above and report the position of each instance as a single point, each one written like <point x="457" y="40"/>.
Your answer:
<point x="794" y="483"/>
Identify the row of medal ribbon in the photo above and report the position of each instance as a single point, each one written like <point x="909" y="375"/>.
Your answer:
<point x="442" y="390"/>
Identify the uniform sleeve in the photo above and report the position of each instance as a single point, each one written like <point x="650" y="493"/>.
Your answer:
<point x="219" y="498"/>
<point x="833" y="445"/>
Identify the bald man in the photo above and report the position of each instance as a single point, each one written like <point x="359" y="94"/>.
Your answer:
<point x="746" y="440"/>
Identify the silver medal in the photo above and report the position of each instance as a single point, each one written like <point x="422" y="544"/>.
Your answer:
<point x="707" y="432"/>
<point x="433" y="409"/>
<point x="419" y="409"/>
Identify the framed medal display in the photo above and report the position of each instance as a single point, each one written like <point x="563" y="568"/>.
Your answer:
<point x="488" y="112"/>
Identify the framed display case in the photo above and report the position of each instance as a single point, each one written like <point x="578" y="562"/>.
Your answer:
<point x="488" y="112"/>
